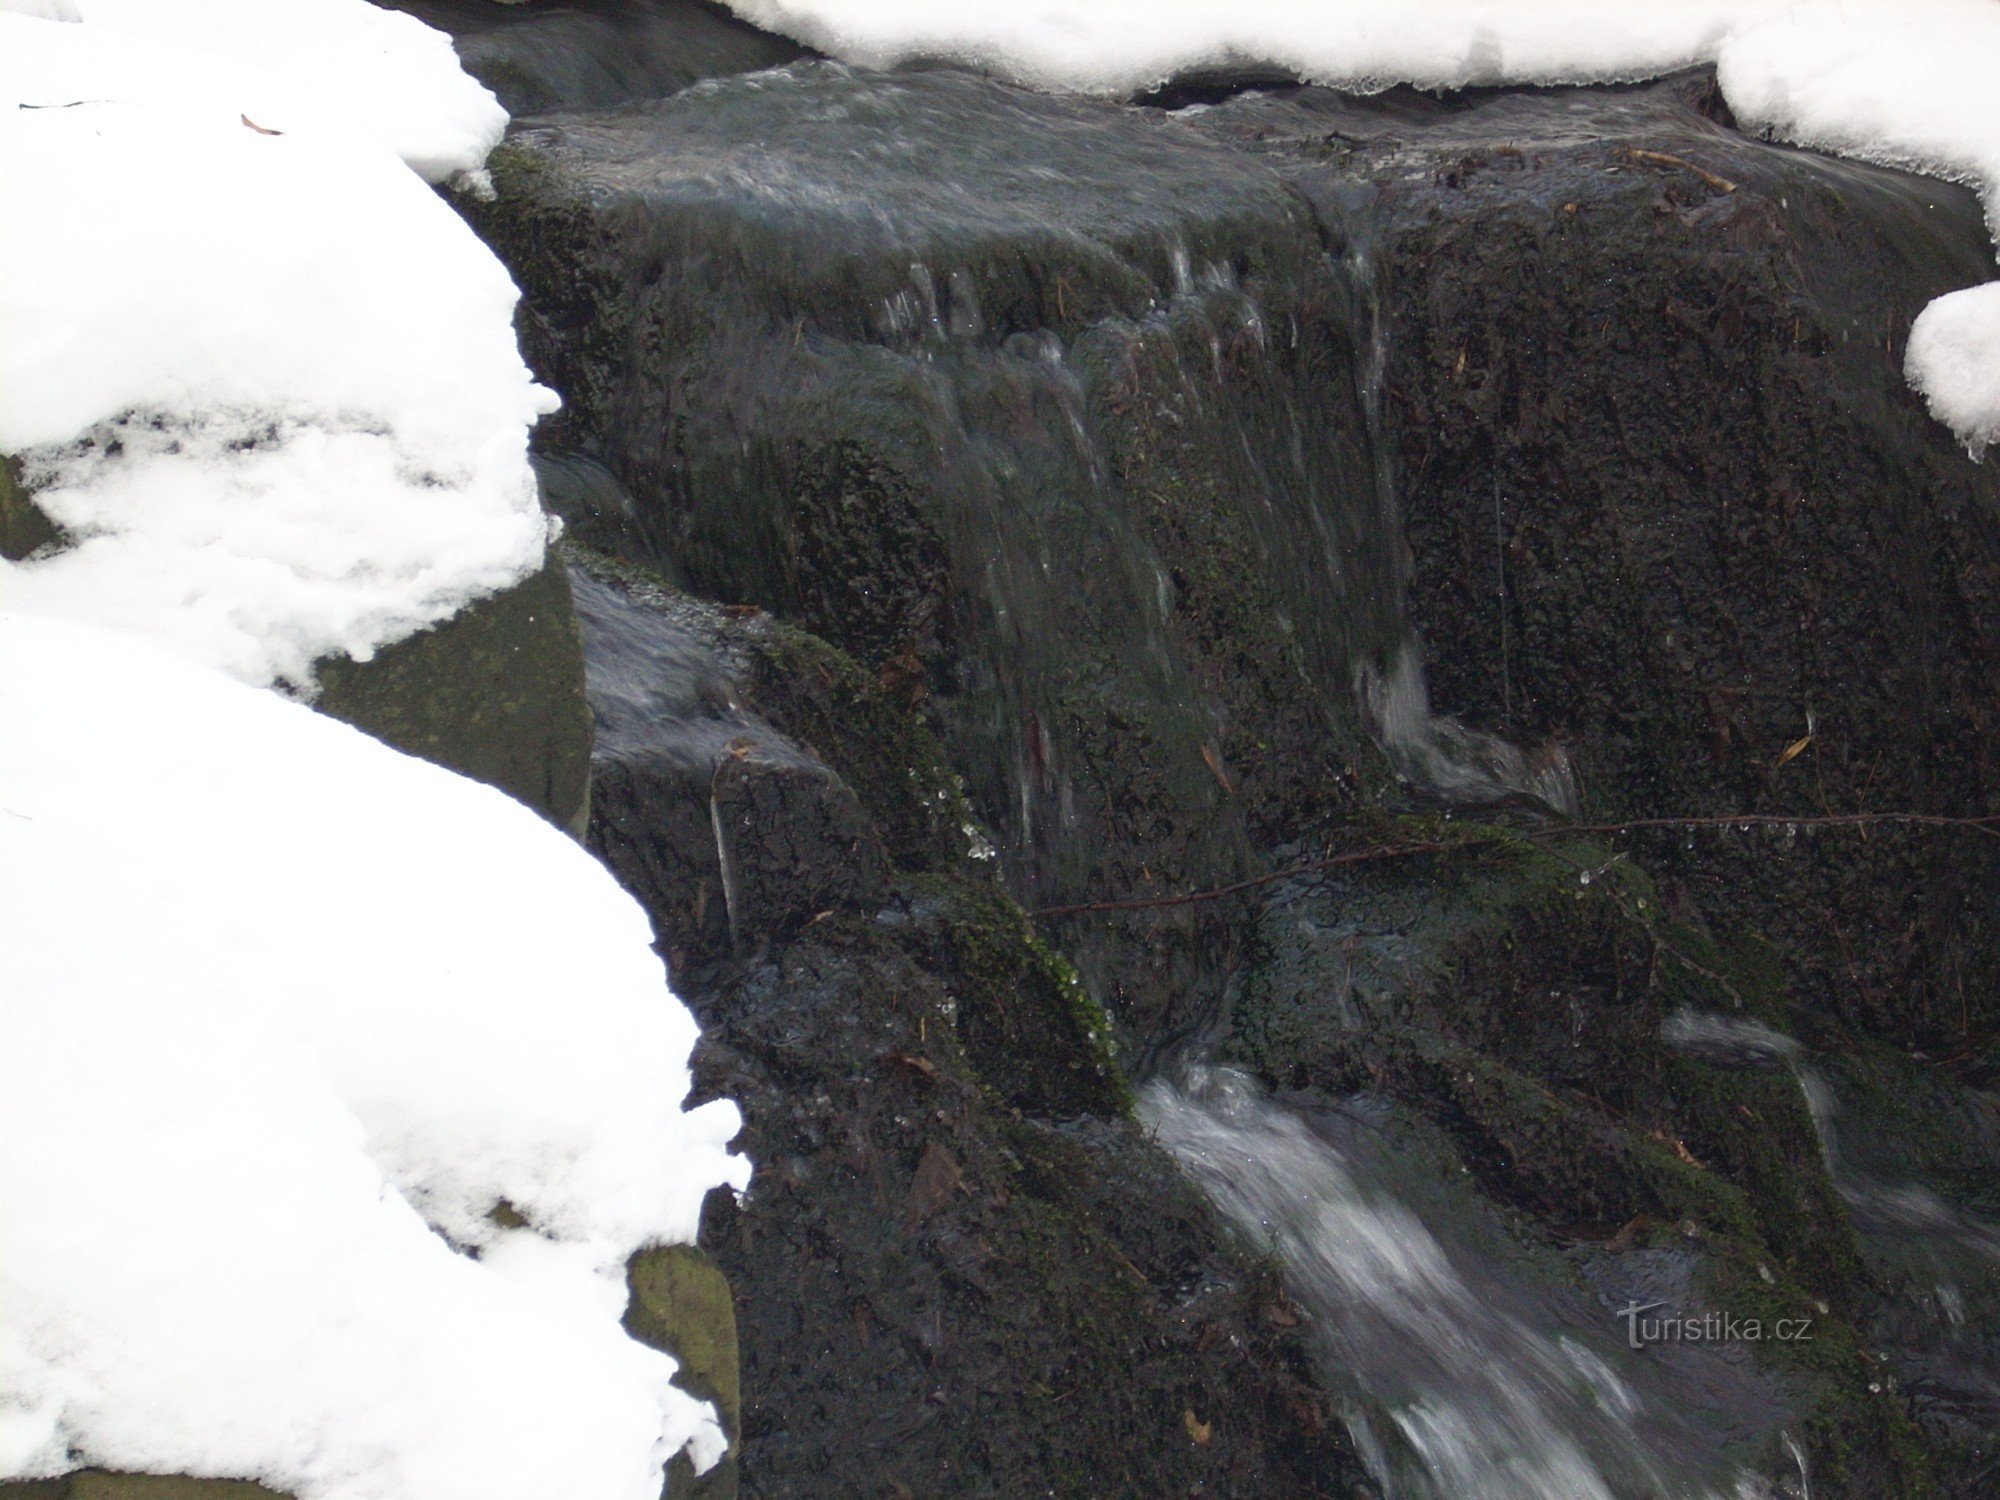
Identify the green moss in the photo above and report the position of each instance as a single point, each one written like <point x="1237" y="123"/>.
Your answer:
<point x="1029" y="1027"/>
<point x="681" y="1302"/>
<point x="24" y="527"/>
<point x="494" y="693"/>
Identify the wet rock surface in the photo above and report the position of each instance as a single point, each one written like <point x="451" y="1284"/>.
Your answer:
<point x="1030" y="500"/>
<point x="1672" y="502"/>
<point x="589" y="53"/>
<point x="1047" y="409"/>
<point x="962" y="1268"/>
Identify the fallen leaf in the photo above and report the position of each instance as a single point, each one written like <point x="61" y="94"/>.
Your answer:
<point x="1624" y="1238"/>
<point x="1199" y="1431"/>
<point x="938" y="1176"/>
<point x="1680" y="1149"/>
<point x="916" y="1064"/>
<point x="1792" y="750"/>
<point x="1215" y="764"/>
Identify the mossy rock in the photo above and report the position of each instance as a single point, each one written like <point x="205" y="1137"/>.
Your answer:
<point x="494" y="693"/>
<point x="23" y="525"/>
<point x="682" y="1303"/>
<point x="98" y="1484"/>
<point x="1029" y="1027"/>
<point x="1512" y="989"/>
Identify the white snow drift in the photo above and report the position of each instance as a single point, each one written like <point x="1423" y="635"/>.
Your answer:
<point x="275" y="998"/>
<point x="1913" y="83"/>
<point x="286" y="1016"/>
<point x="253" y="365"/>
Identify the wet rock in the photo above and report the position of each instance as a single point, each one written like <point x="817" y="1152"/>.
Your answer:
<point x="1044" y="408"/>
<point x="1522" y="995"/>
<point x="961" y="1268"/>
<point x="1084" y="439"/>
<point x="942" y="1298"/>
<point x="565" y="54"/>
<point x="494" y="693"/>
<point x="734" y="831"/>
<point x="1672" y="501"/>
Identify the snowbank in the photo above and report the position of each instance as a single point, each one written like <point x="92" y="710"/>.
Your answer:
<point x="254" y="366"/>
<point x="1905" y="82"/>
<point x="341" y="67"/>
<point x="275" y="998"/>
<point x="1125" y="46"/>
<point x="1915" y="86"/>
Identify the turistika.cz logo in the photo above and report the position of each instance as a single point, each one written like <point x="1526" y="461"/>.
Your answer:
<point x="1709" y="1328"/>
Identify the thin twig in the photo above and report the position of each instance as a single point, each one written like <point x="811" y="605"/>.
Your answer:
<point x="1988" y="825"/>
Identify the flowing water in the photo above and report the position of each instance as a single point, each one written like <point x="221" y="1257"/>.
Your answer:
<point x="1460" y="1384"/>
<point x="1938" y="1264"/>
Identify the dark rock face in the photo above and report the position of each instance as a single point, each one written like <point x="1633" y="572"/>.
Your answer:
<point x="961" y="1269"/>
<point x="1047" y="409"/>
<point x="587" y="53"/>
<point x="1672" y="501"/>
<point x="23" y="526"/>
<point x="1116" y="463"/>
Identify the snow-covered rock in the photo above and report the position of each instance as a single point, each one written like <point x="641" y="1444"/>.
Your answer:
<point x="283" y="1010"/>
<point x="260" y="374"/>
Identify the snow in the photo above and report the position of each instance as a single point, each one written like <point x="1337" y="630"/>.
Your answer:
<point x="269" y="382"/>
<point x="342" y="67"/>
<point x="287" y="1015"/>
<point x="282" y="1009"/>
<point x="1908" y="83"/>
<point x="1914" y="86"/>
<point x="1124" y="46"/>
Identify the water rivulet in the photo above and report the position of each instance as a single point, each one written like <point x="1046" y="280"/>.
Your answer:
<point x="990" y="503"/>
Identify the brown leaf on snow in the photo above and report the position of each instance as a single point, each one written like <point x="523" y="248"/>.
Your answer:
<point x="258" y="128"/>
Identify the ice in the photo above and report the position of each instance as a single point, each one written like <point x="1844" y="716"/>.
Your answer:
<point x="283" y="1009"/>
<point x="1909" y="83"/>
